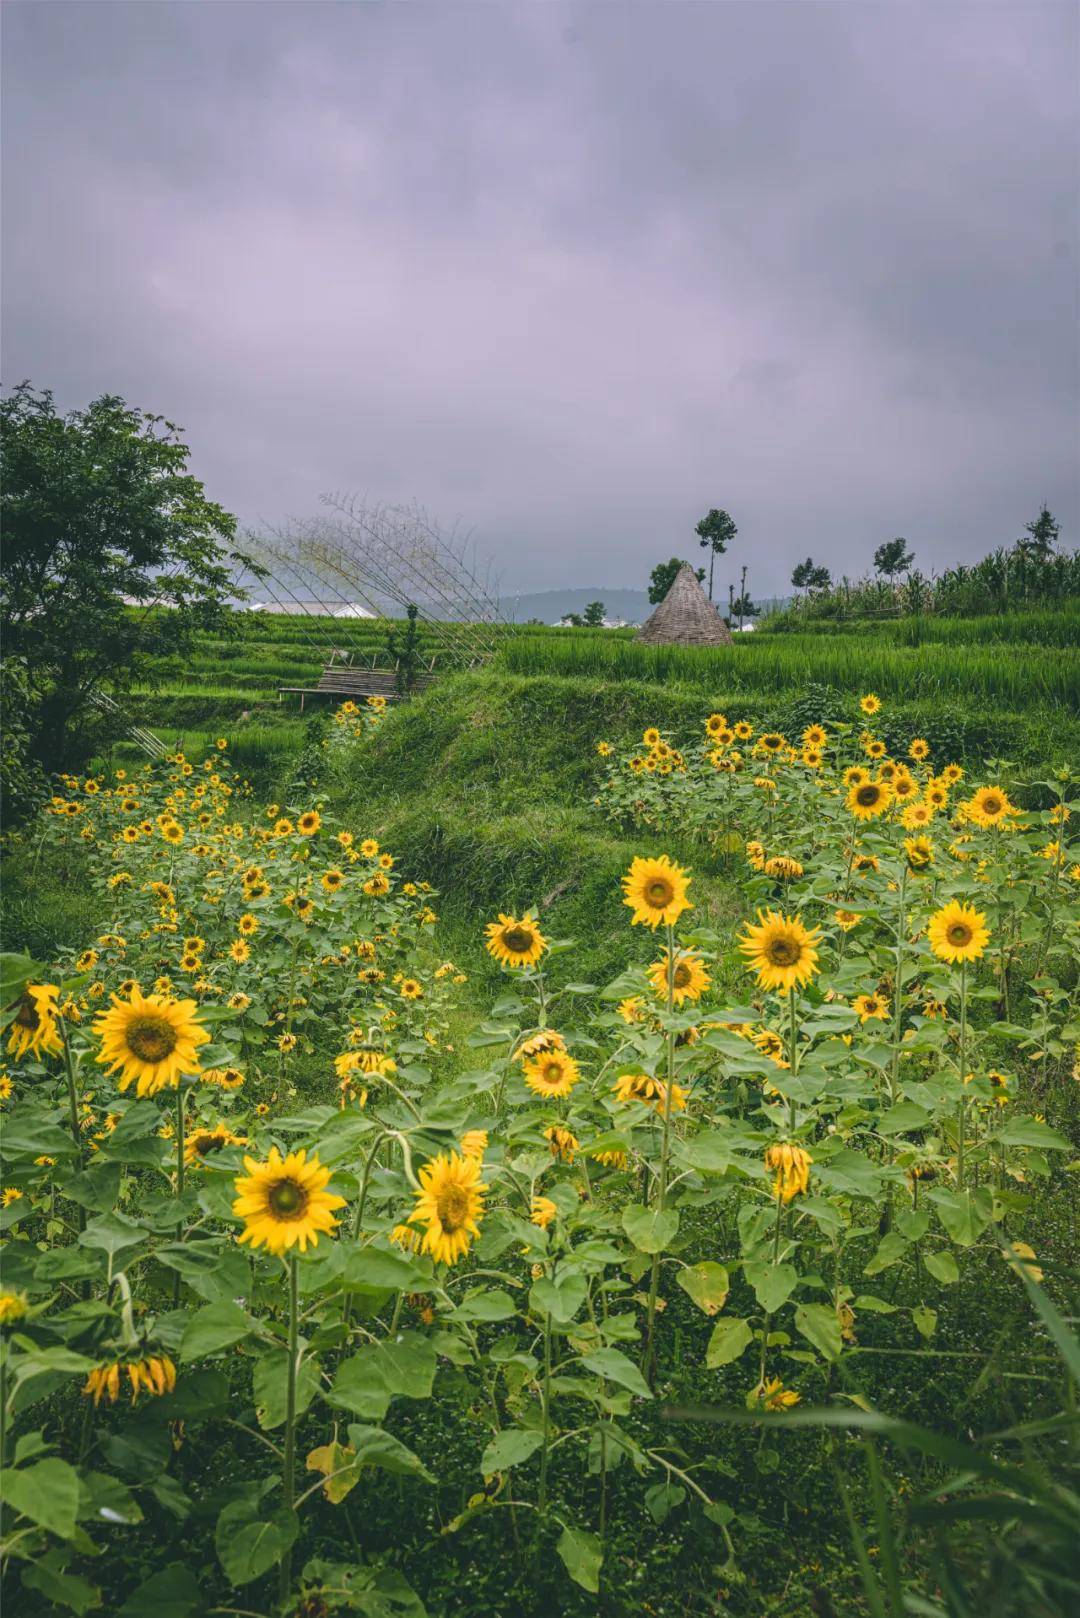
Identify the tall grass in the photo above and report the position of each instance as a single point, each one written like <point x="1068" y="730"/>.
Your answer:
<point x="1017" y="676"/>
<point x="1060" y="628"/>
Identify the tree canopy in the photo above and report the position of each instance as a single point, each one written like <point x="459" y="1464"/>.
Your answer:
<point x="716" y="530"/>
<point x="662" y="578"/>
<point x="808" y="576"/>
<point x="103" y="525"/>
<point x="893" y="557"/>
<point x="593" y="616"/>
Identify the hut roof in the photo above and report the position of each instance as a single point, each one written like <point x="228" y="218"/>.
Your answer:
<point x="685" y="617"/>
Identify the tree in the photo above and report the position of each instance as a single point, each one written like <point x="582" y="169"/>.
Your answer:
<point x="102" y="523"/>
<point x="716" y="530"/>
<point x="893" y="557"/>
<point x="662" y="578"/>
<point x="1042" y="536"/>
<point x="806" y="576"/>
<point x="743" y="607"/>
<point x="404" y="649"/>
<point x="571" y="620"/>
<point x="593" y="615"/>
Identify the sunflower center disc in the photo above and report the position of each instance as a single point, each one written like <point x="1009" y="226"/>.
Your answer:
<point x="26" y="1016"/>
<point x="151" y="1038"/>
<point x="682" y="976"/>
<point x="518" y="939"/>
<point x="959" y="934"/>
<point x="659" y="894"/>
<point x="287" y="1199"/>
<point x="783" y="952"/>
<point x="453" y="1206"/>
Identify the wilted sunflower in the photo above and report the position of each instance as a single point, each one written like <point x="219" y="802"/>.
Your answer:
<point x="781" y="951"/>
<point x="869" y="799"/>
<point x="474" y="1143"/>
<point x="561" y="1143"/>
<point x="150" y="1041"/>
<point x="35" y="1028"/>
<point x="989" y="806"/>
<point x="156" y="1374"/>
<point x="450" y="1203"/>
<point x="791" y="1165"/>
<point x="782" y="868"/>
<point x="919" y="851"/>
<point x="199" y="1144"/>
<point x="655" y="890"/>
<point x="543" y="1211"/>
<point x="552" y="1074"/>
<point x="651" y="1092"/>
<point x="546" y="1040"/>
<point x="514" y="943"/>
<point x="958" y="933"/>
<point x="871" y="1007"/>
<point x="689" y="979"/>
<point x="283" y="1202"/>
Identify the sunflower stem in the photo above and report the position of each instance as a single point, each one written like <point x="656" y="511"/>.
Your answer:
<point x="541" y="1501"/>
<point x="647" y="1363"/>
<point x="961" y="1110"/>
<point x="289" y="1457"/>
<point x="181" y="1108"/>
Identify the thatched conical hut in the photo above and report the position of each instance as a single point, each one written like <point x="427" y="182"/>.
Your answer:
<point x="685" y="617"/>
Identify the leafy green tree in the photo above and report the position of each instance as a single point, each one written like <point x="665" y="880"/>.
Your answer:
<point x="1042" y="536"/>
<point x="808" y="576"/>
<point x="103" y="524"/>
<point x="662" y="578"/>
<point x="893" y="557"/>
<point x="716" y="530"/>
<point x="572" y="620"/>
<point x="593" y="616"/>
<point x="405" y="650"/>
<point x="743" y="607"/>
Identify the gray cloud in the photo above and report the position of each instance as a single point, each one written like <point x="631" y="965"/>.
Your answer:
<point x="572" y="274"/>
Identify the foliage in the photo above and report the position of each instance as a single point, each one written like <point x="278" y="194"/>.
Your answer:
<point x="404" y="648"/>
<point x="22" y="785"/>
<point x="663" y="577"/>
<point x="716" y="530"/>
<point x="806" y="576"/>
<point x="893" y="557"/>
<point x="98" y="510"/>
<point x="593" y="616"/>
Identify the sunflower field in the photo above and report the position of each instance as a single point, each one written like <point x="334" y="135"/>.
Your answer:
<point x="348" y="1270"/>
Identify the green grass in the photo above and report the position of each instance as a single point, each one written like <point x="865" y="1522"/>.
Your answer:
<point x="1061" y="628"/>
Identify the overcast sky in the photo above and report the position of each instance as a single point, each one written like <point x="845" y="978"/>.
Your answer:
<point x="569" y="274"/>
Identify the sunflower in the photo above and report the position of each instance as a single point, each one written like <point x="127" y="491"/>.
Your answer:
<point x="34" y="1028"/>
<point x="450" y="1203"/>
<point x="156" y="1374"/>
<point x="240" y="951"/>
<point x="632" y="1009"/>
<point x="650" y="1092"/>
<point x="782" y="868"/>
<point x="772" y="742"/>
<point x="515" y="943"/>
<point x="905" y="787"/>
<point x="774" y="1396"/>
<point x="284" y="1202"/>
<point x="958" y="933"/>
<point x="989" y="807"/>
<point x="13" y="1305"/>
<point x="546" y="1040"/>
<point x="474" y="1143"/>
<point x="847" y="919"/>
<point x="916" y="816"/>
<point x="332" y="880"/>
<point x="151" y="1040"/>
<point x="651" y="737"/>
<point x="369" y="848"/>
<point x="792" y="1168"/>
<point x="871" y="1007"/>
<point x="770" y="1044"/>
<point x="377" y="886"/>
<point x="870" y="704"/>
<point x="551" y="1074"/>
<point x="226" y="1078"/>
<point x="199" y="1144"/>
<point x="655" y="890"/>
<point x="172" y="832"/>
<point x="919" y="749"/>
<point x="755" y="855"/>
<point x="689" y="979"/>
<point x="919" y="851"/>
<point x="409" y="989"/>
<point x="936" y="795"/>
<point x="781" y="951"/>
<point x="952" y="775"/>
<point x="248" y="925"/>
<point x="282" y="827"/>
<point x="309" y="823"/>
<point x="543" y="1211"/>
<point x="815" y="736"/>
<point x="561" y="1143"/>
<point x="869" y="800"/>
<point x="405" y="1237"/>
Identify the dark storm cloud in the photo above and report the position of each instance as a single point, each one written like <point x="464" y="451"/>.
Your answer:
<point x="573" y="274"/>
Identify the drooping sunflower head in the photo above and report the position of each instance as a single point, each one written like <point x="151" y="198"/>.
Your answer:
<point x="686" y="973"/>
<point x="655" y="890"/>
<point x="150" y="1040"/>
<point x="781" y="950"/>
<point x="202" y="1144"/>
<point x="791" y="1166"/>
<point x="782" y="868"/>
<point x="284" y="1202"/>
<point x="35" y="1028"/>
<point x="919" y="851"/>
<point x="450" y="1204"/>
<point x="546" y="1040"/>
<point x="551" y="1074"/>
<point x="562" y="1143"/>
<point x="958" y="933"/>
<point x="514" y="942"/>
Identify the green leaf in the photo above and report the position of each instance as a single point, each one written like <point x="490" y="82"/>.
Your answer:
<point x="582" y="1554"/>
<point x="964" y="1214"/>
<point x="270" y="1381"/>
<point x="249" y="1545"/>
<point x="662" y="1499"/>
<point x="214" y="1328"/>
<point x="50" y="1579"/>
<point x="32" y="1136"/>
<point x="729" y="1339"/>
<point x="378" y="1372"/>
<point x="16" y="971"/>
<point x="943" y="1267"/>
<point x="509" y="1448"/>
<point x="490" y="1303"/>
<point x="707" y="1284"/>
<point x="560" y="1298"/>
<point x="818" y="1324"/>
<point x="113" y="1233"/>
<point x="47" y="1493"/>
<point x="925" y="1320"/>
<point x="650" y="1229"/>
<point x="1029" y="1132"/>
<point x="773" y="1284"/>
<point x="613" y="1366"/>
<point x="375" y="1447"/>
<point x="383" y="1269"/>
<point x="891" y="1248"/>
